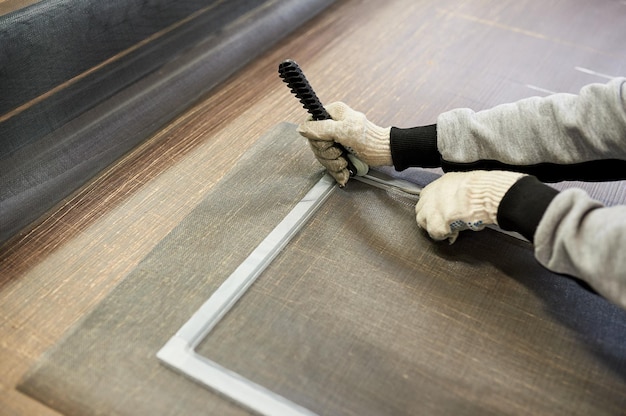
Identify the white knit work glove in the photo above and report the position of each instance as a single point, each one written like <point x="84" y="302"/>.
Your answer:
<point x="462" y="201"/>
<point x="367" y="141"/>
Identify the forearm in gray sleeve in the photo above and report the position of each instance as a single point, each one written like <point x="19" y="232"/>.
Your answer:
<point x="559" y="129"/>
<point x="582" y="238"/>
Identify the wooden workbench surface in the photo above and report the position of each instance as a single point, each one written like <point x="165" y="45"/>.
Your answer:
<point x="8" y="6"/>
<point x="402" y="62"/>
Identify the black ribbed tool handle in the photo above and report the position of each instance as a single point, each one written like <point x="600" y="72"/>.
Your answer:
<point x="293" y="76"/>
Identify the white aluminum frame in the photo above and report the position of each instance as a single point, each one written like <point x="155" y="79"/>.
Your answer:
<point x="179" y="352"/>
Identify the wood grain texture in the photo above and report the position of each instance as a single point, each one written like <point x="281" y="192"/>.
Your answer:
<point x="8" y="6"/>
<point x="401" y="62"/>
<point x="184" y="61"/>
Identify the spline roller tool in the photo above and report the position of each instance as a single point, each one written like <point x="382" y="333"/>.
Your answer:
<point x="293" y="76"/>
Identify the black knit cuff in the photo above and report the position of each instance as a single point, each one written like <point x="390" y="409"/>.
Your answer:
<point x="523" y="206"/>
<point x="415" y="147"/>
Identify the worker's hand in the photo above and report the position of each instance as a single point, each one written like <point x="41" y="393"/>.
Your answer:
<point x="462" y="201"/>
<point x="367" y="141"/>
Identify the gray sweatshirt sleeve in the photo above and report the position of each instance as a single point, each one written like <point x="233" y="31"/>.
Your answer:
<point x="560" y="129"/>
<point x="580" y="237"/>
<point x="575" y="235"/>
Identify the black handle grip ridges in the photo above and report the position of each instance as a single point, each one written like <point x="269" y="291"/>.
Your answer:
<point x="293" y="76"/>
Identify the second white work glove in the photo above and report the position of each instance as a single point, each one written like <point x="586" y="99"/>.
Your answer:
<point x="367" y="141"/>
<point x="462" y="201"/>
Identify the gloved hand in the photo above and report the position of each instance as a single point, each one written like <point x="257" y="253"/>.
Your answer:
<point x="364" y="139"/>
<point x="462" y="201"/>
